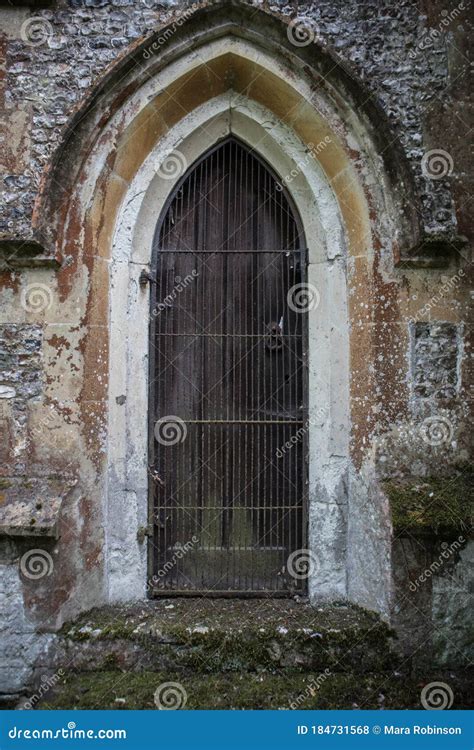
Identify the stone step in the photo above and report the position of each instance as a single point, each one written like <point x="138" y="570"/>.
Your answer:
<point x="114" y="689"/>
<point x="214" y="635"/>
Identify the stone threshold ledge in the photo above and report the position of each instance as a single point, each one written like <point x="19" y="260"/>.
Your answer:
<point x="19" y="253"/>
<point x="30" y="507"/>
<point x="432" y="251"/>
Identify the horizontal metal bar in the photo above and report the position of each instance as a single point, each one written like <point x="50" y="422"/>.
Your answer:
<point x="240" y="507"/>
<point x="235" y="594"/>
<point x="262" y="336"/>
<point x="242" y="421"/>
<point x="178" y="251"/>
<point x="213" y="548"/>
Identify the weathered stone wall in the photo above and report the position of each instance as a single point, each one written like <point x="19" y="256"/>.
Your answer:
<point x="437" y="350"/>
<point x="433" y="588"/>
<point x="22" y="373"/>
<point x="413" y="57"/>
<point x="408" y="323"/>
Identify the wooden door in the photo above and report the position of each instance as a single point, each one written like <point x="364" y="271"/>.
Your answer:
<point x="227" y="382"/>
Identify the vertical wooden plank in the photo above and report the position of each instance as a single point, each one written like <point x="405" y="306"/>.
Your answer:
<point x="228" y="362"/>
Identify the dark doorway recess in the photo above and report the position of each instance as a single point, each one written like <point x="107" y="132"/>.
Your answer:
<point x="228" y="384"/>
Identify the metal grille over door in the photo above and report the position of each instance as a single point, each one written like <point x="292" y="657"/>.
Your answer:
<point x="227" y="382"/>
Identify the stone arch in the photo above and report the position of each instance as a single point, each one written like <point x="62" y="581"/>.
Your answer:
<point x="331" y="88"/>
<point x="212" y="77"/>
<point x="146" y="196"/>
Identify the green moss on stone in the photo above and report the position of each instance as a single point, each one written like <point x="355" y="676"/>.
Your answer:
<point x="234" y="636"/>
<point x="433" y="505"/>
<point x="110" y="662"/>
<point x="125" y="690"/>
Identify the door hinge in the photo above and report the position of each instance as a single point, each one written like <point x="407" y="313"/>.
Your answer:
<point x="143" y="532"/>
<point x="145" y="278"/>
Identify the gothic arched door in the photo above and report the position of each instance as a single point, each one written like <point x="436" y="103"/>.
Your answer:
<point x="228" y="382"/>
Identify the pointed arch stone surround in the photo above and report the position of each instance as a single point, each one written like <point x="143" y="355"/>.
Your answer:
<point x="202" y="86"/>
